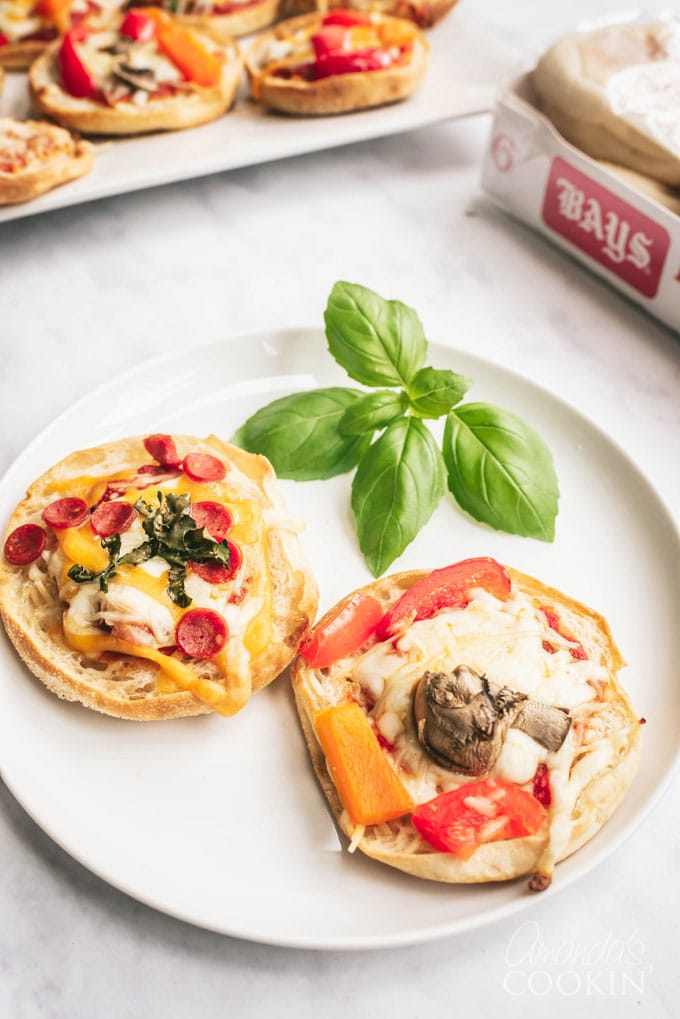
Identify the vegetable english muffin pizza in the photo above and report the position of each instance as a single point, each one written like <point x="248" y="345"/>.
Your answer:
<point x="147" y="74"/>
<point x="27" y="27"/>
<point x="335" y="63"/>
<point x="220" y="18"/>
<point x="155" y="578"/>
<point x="466" y="724"/>
<point x="424" y="13"/>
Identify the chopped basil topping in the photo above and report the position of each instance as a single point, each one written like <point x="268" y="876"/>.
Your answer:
<point x="172" y="535"/>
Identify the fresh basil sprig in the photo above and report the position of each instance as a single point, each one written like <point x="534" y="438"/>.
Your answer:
<point x="497" y="467"/>
<point x="171" y="534"/>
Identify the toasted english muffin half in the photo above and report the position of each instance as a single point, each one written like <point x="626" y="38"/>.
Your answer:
<point x="537" y="666"/>
<point x="281" y="68"/>
<point x="164" y="635"/>
<point x="132" y="105"/>
<point x="18" y="56"/>
<point x="613" y="92"/>
<point x="36" y="156"/>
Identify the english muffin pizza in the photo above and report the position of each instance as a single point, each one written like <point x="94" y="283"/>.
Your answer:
<point x="335" y="63"/>
<point x="36" y="156"/>
<point x="27" y="27"/>
<point x="222" y="18"/>
<point x="148" y="74"/>
<point x="424" y="13"/>
<point x="154" y="578"/>
<point x="466" y="724"/>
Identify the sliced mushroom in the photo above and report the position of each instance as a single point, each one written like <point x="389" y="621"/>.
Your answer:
<point x="118" y="46"/>
<point x="548" y="726"/>
<point x="138" y="77"/>
<point x="462" y="719"/>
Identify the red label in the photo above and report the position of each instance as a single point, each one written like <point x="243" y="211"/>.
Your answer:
<point x="606" y="227"/>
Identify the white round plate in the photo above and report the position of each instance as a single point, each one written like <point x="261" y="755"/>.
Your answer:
<point x="220" y="821"/>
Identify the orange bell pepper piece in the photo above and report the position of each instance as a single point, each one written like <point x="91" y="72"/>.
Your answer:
<point x="186" y="51"/>
<point x="396" y="32"/>
<point x="56" y="11"/>
<point x="367" y="784"/>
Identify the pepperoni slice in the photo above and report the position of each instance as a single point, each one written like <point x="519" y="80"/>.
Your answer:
<point x="203" y="467"/>
<point x="162" y="448"/>
<point x="24" y="544"/>
<point x="112" y="518"/>
<point x="65" y="513"/>
<point x="215" y="517"/>
<point x="201" y="633"/>
<point x="217" y="573"/>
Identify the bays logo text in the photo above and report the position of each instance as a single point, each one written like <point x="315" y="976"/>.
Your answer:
<point x="606" y="227"/>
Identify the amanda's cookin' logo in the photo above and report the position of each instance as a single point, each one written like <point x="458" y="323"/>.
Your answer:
<point x="606" y="227"/>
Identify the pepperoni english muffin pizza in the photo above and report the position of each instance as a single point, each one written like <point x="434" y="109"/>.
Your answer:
<point x="466" y="724"/>
<point x="155" y="578"/>
<point x="335" y="63"/>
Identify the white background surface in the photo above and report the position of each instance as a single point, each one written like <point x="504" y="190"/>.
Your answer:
<point x="85" y="293"/>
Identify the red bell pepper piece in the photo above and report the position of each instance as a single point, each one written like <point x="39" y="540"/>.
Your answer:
<point x="448" y="588"/>
<point x="349" y="63"/>
<point x="334" y="39"/>
<point x="541" y="785"/>
<point x="75" y="77"/>
<point x="463" y="819"/>
<point x="348" y="18"/>
<point x="137" y="25"/>
<point x="345" y="631"/>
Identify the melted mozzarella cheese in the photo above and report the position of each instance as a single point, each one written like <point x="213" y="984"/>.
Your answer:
<point x="504" y="641"/>
<point x="519" y="757"/>
<point x="82" y="609"/>
<point x="125" y="604"/>
<point x="17" y="20"/>
<point x="120" y="604"/>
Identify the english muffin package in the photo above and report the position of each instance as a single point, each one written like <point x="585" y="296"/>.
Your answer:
<point x="585" y="148"/>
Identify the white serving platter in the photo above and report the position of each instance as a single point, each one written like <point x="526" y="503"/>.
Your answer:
<point x="466" y="66"/>
<point x="219" y="821"/>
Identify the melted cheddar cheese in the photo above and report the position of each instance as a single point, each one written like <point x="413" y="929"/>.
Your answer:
<point x="138" y="598"/>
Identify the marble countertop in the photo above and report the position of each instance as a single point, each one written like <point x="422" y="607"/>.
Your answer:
<point x="88" y="292"/>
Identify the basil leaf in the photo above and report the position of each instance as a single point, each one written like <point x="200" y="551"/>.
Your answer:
<point x="176" y="577"/>
<point x="137" y="555"/>
<point x="377" y="342"/>
<point x="500" y="470"/>
<point x="299" y="434"/>
<point x="81" y="575"/>
<point x="373" y="411"/>
<point x="435" y="391"/>
<point x="396" y="488"/>
<point x="112" y="546"/>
